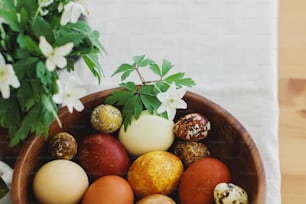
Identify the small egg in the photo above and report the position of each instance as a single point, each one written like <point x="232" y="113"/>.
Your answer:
<point x="190" y="152"/>
<point x="106" y="118"/>
<point x="228" y="193"/>
<point x="62" y="146"/>
<point x="60" y="181"/>
<point x="192" y="127"/>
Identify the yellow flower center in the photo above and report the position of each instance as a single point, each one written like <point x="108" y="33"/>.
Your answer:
<point x="3" y="74"/>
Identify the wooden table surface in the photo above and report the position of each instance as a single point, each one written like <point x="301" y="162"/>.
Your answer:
<point x="292" y="99"/>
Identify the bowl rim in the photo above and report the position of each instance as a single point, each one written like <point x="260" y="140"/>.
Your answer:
<point x="33" y="140"/>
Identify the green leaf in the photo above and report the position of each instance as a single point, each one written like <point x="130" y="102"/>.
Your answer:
<point x="10" y="17"/>
<point x="131" y="86"/>
<point x="156" y="69"/>
<point x="123" y="68"/>
<point x="29" y="5"/>
<point x="24" y="18"/>
<point x="9" y="113"/>
<point x="23" y="65"/>
<point x="166" y="67"/>
<point x="29" y="122"/>
<point x="119" y="97"/>
<point x="83" y="28"/>
<point x="65" y="36"/>
<point x="138" y="59"/>
<point x="131" y="109"/>
<point x="185" y="82"/>
<point x="162" y="86"/>
<point x="51" y="107"/>
<point x="25" y="96"/>
<point x="146" y="62"/>
<point x="150" y="90"/>
<point x="48" y="79"/>
<point x="170" y="79"/>
<point x="28" y="44"/>
<point x="151" y="103"/>
<point x="42" y="28"/>
<point x="93" y="64"/>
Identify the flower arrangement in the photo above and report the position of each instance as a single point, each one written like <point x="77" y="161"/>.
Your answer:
<point x="38" y="37"/>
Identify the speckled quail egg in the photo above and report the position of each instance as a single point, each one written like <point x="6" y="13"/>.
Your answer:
<point x="228" y="193"/>
<point x="106" y="118"/>
<point x="62" y="146"/>
<point x="190" y="152"/>
<point x="192" y="127"/>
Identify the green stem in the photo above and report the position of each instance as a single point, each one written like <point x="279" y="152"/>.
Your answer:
<point x="143" y="82"/>
<point x="36" y="13"/>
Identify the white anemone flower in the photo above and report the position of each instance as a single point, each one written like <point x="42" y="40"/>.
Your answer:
<point x="171" y="100"/>
<point x="69" y="95"/>
<point x="7" y="78"/>
<point x="55" y="56"/>
<point x="72" y="11"/>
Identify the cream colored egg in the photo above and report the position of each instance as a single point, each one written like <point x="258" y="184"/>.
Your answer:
<point x="60" y="182"/>
<point x="148" y="133"/>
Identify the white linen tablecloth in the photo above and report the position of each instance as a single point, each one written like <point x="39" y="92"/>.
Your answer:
<point x="229" y="47"/>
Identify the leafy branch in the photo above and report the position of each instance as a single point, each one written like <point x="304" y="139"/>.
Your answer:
<point x="30" y="107"/>
<point x="133" y="98"/>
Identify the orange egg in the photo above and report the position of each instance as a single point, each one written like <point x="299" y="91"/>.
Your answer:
<point x="109" y="190"/>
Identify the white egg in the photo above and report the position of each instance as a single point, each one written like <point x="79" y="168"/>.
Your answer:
<point x="148" y="133"/>
<point x="228" y="193"/>
<point x="61" y="182"/>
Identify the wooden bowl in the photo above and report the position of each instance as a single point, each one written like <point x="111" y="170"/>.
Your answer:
<point x="227" y="141"/>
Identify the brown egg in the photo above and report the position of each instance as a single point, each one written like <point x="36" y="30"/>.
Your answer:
<point x="199" y="180"/>
<point x="192" y="127"/>
<point x="106" y="118"/>
<point x="109" y="189"/>
<point x="62" y="146"/>
<point x="101" y="155"/>
<point x="190" y="152"/>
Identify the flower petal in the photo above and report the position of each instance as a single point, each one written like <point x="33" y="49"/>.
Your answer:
<point x="44" y="46"/>
<point x="171" y="113"/>
<point x="50" y="65"/>
<point x="57" y="98"/>
<point x="181" y="104"/>
<point x="5" y="90"/>
<point x="59" y="61"/>
<point x="76" y="13"/>
<point x="70" y="108"/>
<point x="63" y="50"/>
<point x="12" y="80"/>
<point x="162" y="108"/>
<point x="162" y="96"/>
<point x="78" y="105"/>
<point x="179" y="93"/>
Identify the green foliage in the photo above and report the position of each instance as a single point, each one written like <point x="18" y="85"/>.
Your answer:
<point x="30" y="108"/>
<point x="134" y="99"/>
